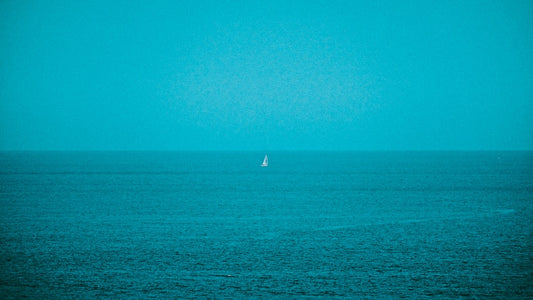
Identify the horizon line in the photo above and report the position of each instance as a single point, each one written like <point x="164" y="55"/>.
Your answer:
<point x="267" y="150"/>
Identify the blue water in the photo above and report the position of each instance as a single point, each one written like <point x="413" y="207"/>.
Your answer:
<point x="216" y="225"/>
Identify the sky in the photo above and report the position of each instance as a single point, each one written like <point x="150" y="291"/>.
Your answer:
<point x="266" y="75"/>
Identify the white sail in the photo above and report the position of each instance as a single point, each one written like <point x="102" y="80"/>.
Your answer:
<point x="265" y="162"/>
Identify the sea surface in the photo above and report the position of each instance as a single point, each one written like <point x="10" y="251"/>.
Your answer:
<point x="312" y="224"/>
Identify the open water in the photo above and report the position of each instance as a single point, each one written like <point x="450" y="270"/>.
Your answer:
<point x="216" y="225"/>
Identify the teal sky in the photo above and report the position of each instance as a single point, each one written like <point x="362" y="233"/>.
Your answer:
<point x="245" y="75"/>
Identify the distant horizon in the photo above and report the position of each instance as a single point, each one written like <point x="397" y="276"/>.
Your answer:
<point x="279" y="150"/>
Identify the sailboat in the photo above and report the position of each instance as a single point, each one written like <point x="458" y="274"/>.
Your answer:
<point x="265" y="162"/>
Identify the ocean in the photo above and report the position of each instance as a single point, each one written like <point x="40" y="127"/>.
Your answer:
<point x="192" y="225"/>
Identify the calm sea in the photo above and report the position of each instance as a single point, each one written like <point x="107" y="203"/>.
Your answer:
<point x="217" y="225"/>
